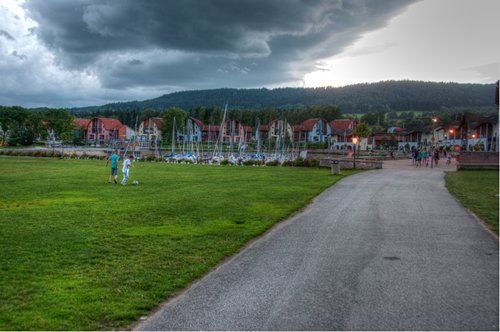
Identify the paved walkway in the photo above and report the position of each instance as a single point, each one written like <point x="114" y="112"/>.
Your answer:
<point x="382" y="250"/>
<point x="407" y="164"/>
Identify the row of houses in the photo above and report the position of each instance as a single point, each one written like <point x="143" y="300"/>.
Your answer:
<point x="472" y="129"/>
<point x="102" y="130"/>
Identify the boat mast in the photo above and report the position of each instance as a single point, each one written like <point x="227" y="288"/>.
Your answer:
<point x="218" y="143"/>
<point x="173" y="136"/>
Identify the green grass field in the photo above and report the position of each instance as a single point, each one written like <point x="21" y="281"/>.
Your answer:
<point x="477" y="191"/>
<point x="79" y="253"/>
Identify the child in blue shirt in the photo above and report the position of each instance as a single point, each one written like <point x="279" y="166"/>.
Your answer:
<point x="114" y="166"/>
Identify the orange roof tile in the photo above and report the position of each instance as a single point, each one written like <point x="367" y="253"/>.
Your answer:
<point x="342" y="124"/>
<point x="110" y="124"/>
<point x="309" y="124"/>
<point x="81" y="123"/>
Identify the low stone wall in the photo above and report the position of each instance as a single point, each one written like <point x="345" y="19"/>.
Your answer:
<point x="329" y="154"/>
<point x="478" y="160"/>
<point x="349" y="163"/>
<point x="78" y="151"/>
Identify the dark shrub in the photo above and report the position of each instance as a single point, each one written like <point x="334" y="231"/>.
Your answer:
<point x="273" y="163"/>
<point x="314" y="163"/>
<point x="299" y="162"/>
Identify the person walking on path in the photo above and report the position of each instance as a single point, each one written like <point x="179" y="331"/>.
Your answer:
<point x="424" y="157"/>
<point x="414" y="155"/>
<point x="127" y="164"/>
<point x="419" y="158"/>
<point x="114" y="166"/>
<point x="436" y="157"/>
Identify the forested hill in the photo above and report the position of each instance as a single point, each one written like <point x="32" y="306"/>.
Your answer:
<point x="359" y="98"/>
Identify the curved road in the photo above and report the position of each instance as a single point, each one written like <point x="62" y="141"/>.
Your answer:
<point x="382" y="250"/>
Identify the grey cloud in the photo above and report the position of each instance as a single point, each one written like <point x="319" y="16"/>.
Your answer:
<point x="372" y="49"/>
<point x="218" y="42"/>
<point x="135" y="62"/>
<point x="7" y="35"/>
<point x="19" y="56"/>
<point x="488" y="72"/>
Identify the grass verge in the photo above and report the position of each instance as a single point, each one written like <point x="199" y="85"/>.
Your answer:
<point x="81" y="254"/>
<point x="477" y="191"/>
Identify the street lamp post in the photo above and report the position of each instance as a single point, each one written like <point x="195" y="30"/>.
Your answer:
<point x="452" y="132"/>
<point x="434" y="120"/>
<point x="354" y="142"/>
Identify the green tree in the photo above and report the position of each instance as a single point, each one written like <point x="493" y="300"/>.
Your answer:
<point x="384" y="142"/>
<point x="148" y="113"/>
<point x="78" y="136"/>
<point x="61" y="123"/>
<point x="168" y="122"/>
<point x="6" y="122"/>
<point x="374" y="118"/>
<point x="393" y="143"/>
<point x="362" y="130"/>
<point x="216" y="115"/>
<point x="20" y="126"/>
<point x="235" y="114"/>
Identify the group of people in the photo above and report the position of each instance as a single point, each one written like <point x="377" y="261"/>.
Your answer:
<point x="424" y="156"/>
<point x="127" y="164"/>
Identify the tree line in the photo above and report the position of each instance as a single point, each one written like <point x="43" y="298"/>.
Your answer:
<point x="20" y="126"/>
<point x="359" y="98"/>
<point x="214" y="115"/>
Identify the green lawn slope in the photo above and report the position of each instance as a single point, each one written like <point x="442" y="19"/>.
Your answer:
<point x="78" y="253"/>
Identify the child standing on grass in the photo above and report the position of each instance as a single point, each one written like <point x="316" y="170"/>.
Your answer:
<point x="114" y="166"/>
<point x="127" y="163"/>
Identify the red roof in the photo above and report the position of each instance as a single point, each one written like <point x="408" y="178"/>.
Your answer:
<point x="158" y="122"/>
<point x="342" y="124"/>
<point x="81" y="123"/>
<point x="264" y="128"/>
<point x="198" y="122"/>
<point x="309" y="124"/>
<point x="210" y="127"/>
<point x="109" y="124"/>
<point x="123" y="131"/>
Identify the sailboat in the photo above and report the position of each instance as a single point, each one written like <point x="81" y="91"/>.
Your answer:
<point x="217" y="156"/>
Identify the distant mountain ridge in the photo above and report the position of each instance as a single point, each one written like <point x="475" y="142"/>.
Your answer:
<point x="358" y="98"/>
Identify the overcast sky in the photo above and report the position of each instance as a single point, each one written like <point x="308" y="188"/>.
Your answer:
<point x="90" y="52"/>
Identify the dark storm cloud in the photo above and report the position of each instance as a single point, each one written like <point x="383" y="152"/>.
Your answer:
<point x="201" y="44"/>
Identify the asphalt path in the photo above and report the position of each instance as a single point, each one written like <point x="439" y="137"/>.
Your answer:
<point x="382" y="250"/>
